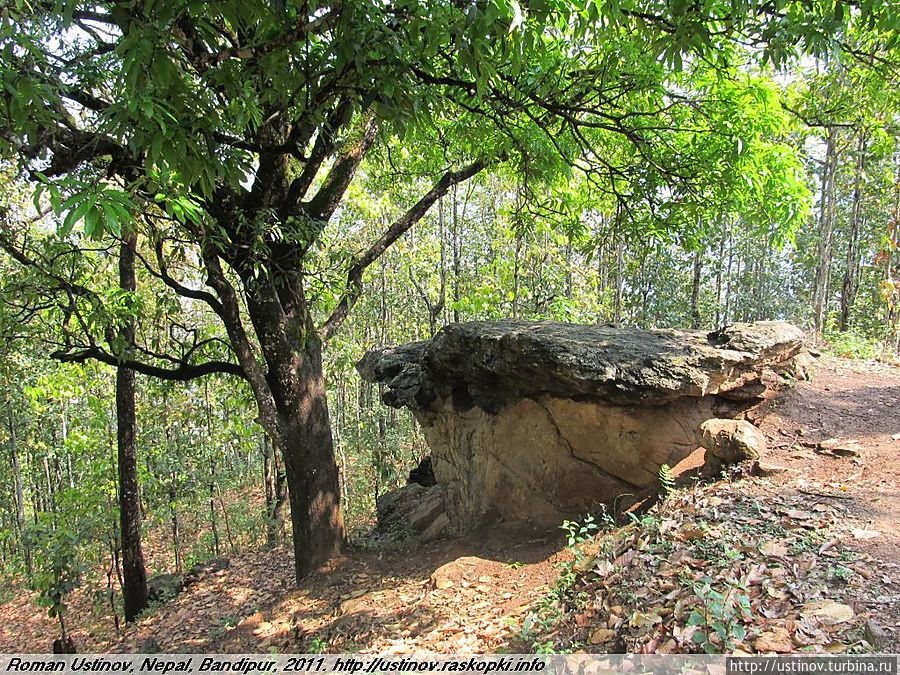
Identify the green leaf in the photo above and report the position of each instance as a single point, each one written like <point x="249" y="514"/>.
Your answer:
<point x="93" y="222"/>
<point x="74" y="216"/>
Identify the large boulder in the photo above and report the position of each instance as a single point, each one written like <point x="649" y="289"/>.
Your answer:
<point x="535" y="422"/>
<point x="164" y="587"/>
<point x="413" y="511"/>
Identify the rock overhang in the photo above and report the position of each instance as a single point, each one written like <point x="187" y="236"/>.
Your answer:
<point x="534" y="422"/>
<point x="507" y="360"/>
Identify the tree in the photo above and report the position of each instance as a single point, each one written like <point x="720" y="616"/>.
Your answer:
<point x="134" y="588"/>
<point x="235" y="130"/>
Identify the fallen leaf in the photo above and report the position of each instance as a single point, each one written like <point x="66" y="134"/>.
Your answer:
<point x="776" y="639"/>
<point x="642" y="619"/>
<point x="690" y="531"/>
<point x="773" y="548"/>
<point x="828" y="612"/>
<point x="601" y="635"/>
<point x="865" y="534"/>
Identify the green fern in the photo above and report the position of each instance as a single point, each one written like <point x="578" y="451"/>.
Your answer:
<point x="666" y="480"/>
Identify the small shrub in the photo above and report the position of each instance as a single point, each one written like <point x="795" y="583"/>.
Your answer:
<point x="720" y="618"/>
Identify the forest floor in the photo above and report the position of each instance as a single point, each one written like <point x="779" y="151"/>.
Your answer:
<point x="835" y="507"/>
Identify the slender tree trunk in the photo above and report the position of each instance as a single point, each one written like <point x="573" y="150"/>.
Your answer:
<point x="173" y="493"/>
<point x="213" y="521"/>
<point x="175" y="522"/>
<point x="726" y="310"/>
<point x="279" y="515"/>
<point x="695" y="289"/>
<point x="50" y="494"/>
<point x="456" y="241"/>
<point x="134" y="592"/>
<point x="269" y="491"/>
<point x="719" y="275"/>
<point x="826" y="234"/>
<point x="851" y="270"/>
<point x="620" y="281"/>
<point x="276" y="496"/>
<point x="20" y="492"/>
<point x="226" y="520"/>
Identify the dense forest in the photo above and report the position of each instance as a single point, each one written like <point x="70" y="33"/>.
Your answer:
<point x="211" y="211"/>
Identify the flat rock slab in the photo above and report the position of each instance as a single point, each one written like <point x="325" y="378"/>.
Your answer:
<point x="496" y="362"/>
<point x="534" y="422"/>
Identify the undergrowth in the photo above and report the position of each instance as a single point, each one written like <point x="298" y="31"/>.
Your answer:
<point x="709" y="569"/>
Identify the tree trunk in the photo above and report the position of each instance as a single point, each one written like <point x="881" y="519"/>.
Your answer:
<point x="20" y="492"/>
<point x="826" y="234"/>
<point x="279" y="515"/>
<point x="50" y="494"/>
<point x="695" y="289"/>
<point x="456" y="250"/>
<point x="226" y="520"/>
<point x="310" y="467"/>
<point x="274" y="479"/>
<point x="719" y="274"/>
<point x="620" y="267"/>
<point x="213" y="524"/>
<point x="269" y="491"/>
<point x="134" y="592"/>
<point x="296" y="417"/>
<point x="175" y="522"/>
<point x="851" y="270"/>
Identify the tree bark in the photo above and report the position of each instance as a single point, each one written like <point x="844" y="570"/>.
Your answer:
<point x="851" y="270"/>
<point x="826" y="234"/>
<point x="695" y="289"/>
<point x="296" y="416"/>
<point x="20" y="492"/>
<point x="310" y="467"/>
<point x="134" y="592"/>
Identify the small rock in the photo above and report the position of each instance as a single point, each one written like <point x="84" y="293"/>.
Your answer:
<point x="149" y="645"/>
<point x="765" y="469"/>
<point x="841" y="448"/>
<point x="203" y="569"/>
<point x="164" y="587"/>
<point x="414" y="510"/>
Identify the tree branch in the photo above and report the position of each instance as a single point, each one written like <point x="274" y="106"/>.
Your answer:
<point x="240" y="343"/>
<point x="184" y="372"/>
<point x="396" y="230"/>
<point x="163" y="275"/>
<point x="326" y="200"/>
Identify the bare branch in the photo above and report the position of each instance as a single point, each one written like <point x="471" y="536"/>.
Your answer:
<point x="184" y="372"/>
<point x="396" y="230"/>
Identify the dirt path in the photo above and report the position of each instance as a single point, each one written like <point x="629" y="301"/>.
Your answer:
<point x="849" y="401"/>
<point x="471" y="596"/>
<point x="461" y="596"/>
